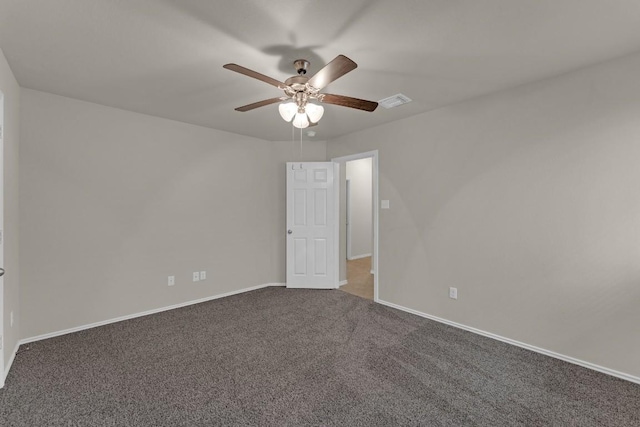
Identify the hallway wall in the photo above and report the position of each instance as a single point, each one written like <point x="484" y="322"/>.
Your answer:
<point x="359" y="173"/>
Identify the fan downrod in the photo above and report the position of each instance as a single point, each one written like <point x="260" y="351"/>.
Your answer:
<point x="301" y="66"/>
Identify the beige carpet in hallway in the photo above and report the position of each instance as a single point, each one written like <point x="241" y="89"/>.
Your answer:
<point x="359" y="278"/>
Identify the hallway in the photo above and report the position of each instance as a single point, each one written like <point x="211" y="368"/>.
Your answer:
<point x="359" y="278"/>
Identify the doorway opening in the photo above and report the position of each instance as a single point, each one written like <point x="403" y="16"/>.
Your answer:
<point x="358" y="237"/>
<point x="359" y="226"/>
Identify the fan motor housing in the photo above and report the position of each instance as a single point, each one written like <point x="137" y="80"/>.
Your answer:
<point x="297" y="83"/>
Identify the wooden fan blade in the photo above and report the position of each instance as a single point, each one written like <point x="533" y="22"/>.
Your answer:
<point x="254" y="74"/>
<point x="335" y="69"/>
<point x="258" y="104"/>
<point x="347" y="101"/>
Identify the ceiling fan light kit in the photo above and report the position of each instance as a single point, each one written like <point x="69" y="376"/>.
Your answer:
<point x="303" y="115"/>
<point x="299" y="90"/>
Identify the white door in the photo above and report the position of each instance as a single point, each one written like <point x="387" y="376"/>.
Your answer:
<point x="312" y="225"/>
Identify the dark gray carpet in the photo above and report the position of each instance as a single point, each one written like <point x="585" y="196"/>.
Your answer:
<point x="297" y="357"/>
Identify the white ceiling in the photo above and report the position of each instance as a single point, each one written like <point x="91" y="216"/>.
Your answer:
<point x="165" y="58"/>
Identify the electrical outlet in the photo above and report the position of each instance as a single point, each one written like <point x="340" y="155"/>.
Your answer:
<point x="171" y="280"/>
<point x="196" y="276"/>
<point x="453" y="293"/>
<point x="203" y="275"/>
<point x="11" y="317"/>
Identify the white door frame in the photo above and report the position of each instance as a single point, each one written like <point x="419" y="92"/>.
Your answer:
<point x="347" y="203"/>
<point x="2" y="331"/>
<point x="375" y="266"/>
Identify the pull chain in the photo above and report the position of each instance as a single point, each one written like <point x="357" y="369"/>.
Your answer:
<point x="293" y="140"/>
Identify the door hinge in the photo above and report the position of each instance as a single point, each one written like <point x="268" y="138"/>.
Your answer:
<point x="0" y="342"/>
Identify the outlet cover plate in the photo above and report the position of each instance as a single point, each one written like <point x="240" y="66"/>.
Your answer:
<point x="453" y="293"/>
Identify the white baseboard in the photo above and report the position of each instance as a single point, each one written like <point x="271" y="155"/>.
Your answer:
<point x="144" y="313"/>
<point x="352" y="258"/>
<point x="8" y="366"/>
<point x="549" y="353"/>
<point x="266" y="285"/>
<point x="342" y="283"/>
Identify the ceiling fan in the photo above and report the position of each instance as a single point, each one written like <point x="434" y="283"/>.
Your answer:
<point x="299" y="90"/>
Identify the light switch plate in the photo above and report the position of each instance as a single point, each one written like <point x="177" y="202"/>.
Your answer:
<point x="196" y="276"/>
<point x="171" y="280"/>
<point x="384" y="204"/>
<point x="203" y="275"/>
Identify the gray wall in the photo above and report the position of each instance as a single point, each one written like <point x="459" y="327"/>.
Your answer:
<point x="11" y="90"/>
<point x="358" y="172"/>
<point x="528" y="202"/>
<point x="112" y="202"/>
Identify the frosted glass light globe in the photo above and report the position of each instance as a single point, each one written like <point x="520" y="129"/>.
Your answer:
<point x="301" y="121"/>
<point x="288" y="110"/>
<point x="314" y="112"/>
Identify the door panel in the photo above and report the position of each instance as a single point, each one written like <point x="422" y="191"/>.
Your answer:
<point x="311" y="225"/>
<point x="320" y="206"/>
<point x="320" y="254"/>
<point x="300" y="252"/>
<point x="300" y="207"/>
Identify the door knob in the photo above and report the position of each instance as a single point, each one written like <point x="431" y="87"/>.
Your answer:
<point x="289" y="231"/>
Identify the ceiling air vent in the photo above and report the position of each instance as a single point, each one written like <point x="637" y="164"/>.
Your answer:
<point x="394" y="100"/>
